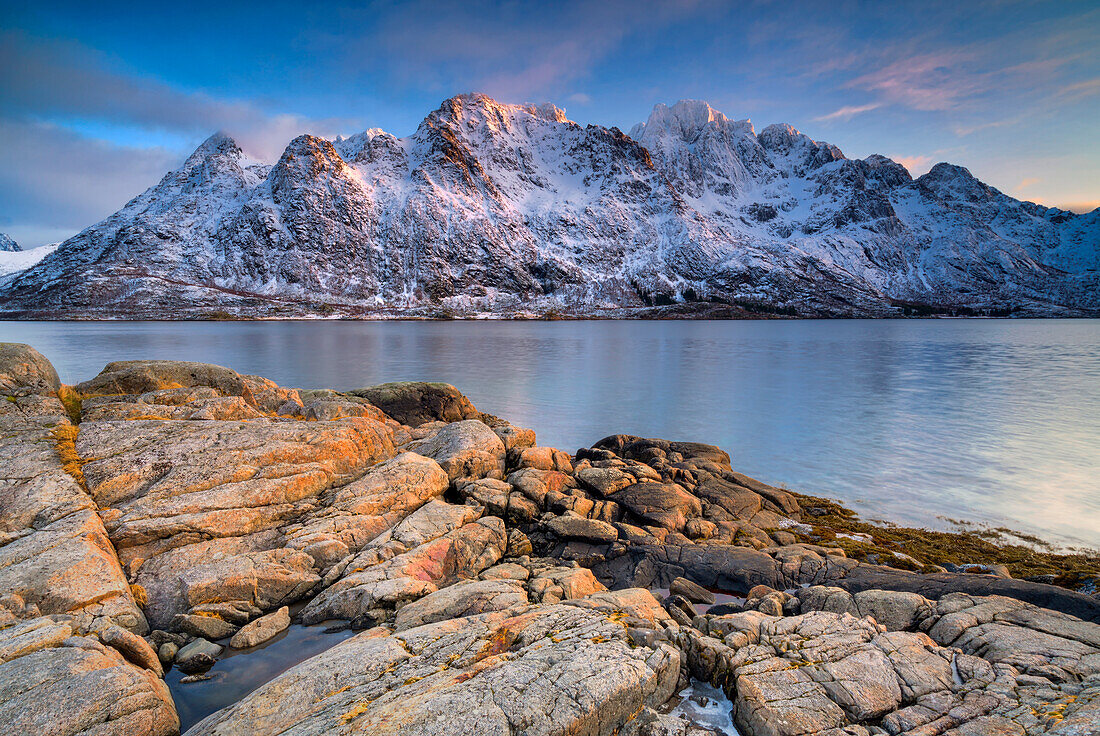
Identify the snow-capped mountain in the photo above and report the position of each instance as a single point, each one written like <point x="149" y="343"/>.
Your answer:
<point x="7" y="245"/>
<point x="14" y="262"/>
<point x="516" y="209"/>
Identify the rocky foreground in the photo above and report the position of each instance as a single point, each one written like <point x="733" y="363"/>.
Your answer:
<point x="162" y="512"/>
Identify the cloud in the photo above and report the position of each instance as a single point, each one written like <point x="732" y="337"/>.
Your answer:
<point x="1025" y="183"/>
<point x="916" y="165"/>
<point x="847" y="112"/>
<point x="965" y="130"/>
<point x="1037" y="61"/>
<point x="513" y="51"/>
<point x="54" y="182"/>
<point x="924" y="82"/>
<point x="64" y="80"/>
<point x="1080" y="90"/>
<point x="579" y="98"/>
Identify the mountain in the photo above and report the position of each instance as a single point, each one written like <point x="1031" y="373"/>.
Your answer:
<point x="514" y="209"/>
<point x="7" y="245"/>
<point x="14" y="259"/>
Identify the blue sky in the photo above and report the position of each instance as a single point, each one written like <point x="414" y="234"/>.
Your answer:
<point x="97" y="102"/>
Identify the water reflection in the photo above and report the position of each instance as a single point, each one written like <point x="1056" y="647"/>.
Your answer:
<point x="989" y="420"/>
<point x="240" y="671"/>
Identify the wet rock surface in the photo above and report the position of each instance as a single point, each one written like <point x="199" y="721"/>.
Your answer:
<point x="166" y="515"/>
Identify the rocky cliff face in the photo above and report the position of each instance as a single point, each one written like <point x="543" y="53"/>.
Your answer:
<point x="514" y="208"/>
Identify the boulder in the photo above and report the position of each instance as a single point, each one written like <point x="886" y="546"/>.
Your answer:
<point x="605" y="481"/>
<point x="355" y="513"/>
<point x="208" y="627"/>
<point x="896" y="610"/>
<point x="640" y="448"/>
<point x="506" y="571"/>
<point x="337" y="407"/>
<point x="262" y="629"/>
<point x="197" y="656"/>
<point x="431" y="521"/>
<point x="1010" y="666"/>
<point x="25" y="370"/>
<point x="666" y="505"/>
<point x="177" y="403"/>
<point x="465" y="598"/>
<point x="465" y="449"/>
<point x="59" y="681"/>
<point x="545" y="458"/>
<point x="167" y="652"/>
<point x="264" y="580"/>
<point x="692" y="591"/>
<point x="539" y="486"/>
<point x="462" y="553"/>
<point x="132" y="647"/>
<point x="136" y="381"/>
<point x="560" y="583"/>
<point x="515" y="439"/>
<point x="847" y="674"/>
<point x="577" y="527"/>
<point x="142" y="376"/>
<point x="937" y="585"/>
<point x="417" y="402"/>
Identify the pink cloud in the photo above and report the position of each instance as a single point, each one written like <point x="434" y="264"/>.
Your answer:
<point x="917" y="165"/>
<point x="847" y="113"/>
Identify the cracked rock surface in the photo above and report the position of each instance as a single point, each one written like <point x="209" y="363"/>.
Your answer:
<point x="532" y="670"/>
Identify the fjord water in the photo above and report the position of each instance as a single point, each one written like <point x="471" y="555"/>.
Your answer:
<point x="912" y="421"/>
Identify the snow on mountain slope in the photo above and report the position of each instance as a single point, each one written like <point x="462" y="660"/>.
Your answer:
<point x="502" y="208"/>
<point x="13" y="262"/>
<point x="7" y="245"/>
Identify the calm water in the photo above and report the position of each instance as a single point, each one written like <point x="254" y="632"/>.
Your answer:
<point x="233" y="676"/>
<point x="994" y="421"/>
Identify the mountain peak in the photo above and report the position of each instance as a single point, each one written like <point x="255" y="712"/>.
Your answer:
<point x="217" y="157"/>
<point x="311" y="155"/>
<point x="954" y="182"/>
<point x="785" y="140"/>
<point x="8" y="245"/>
<point x="220" y="144"/>
<point x="686" y="119"/>
<point x="471" y="105"/>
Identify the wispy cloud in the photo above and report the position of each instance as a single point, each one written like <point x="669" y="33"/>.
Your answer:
<point x="54" y="182"/>
<point x="1026" y="182"/>
<point x="847" y="113"/>
<point x="965" y="130"/>
<point x="58" y="80"/>
<point x="923" y="82"/>
<point x="1080" y="90"/>
<point x="916" y="165"/>
<point x="513" y="51"/>
<point x="55" y="179"/>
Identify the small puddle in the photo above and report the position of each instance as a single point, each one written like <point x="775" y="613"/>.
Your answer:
<point x="706" y="706"/>
<point x="703" y="608"/>
<point x="240" y="671"/>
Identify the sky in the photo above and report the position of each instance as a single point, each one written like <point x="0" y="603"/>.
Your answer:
<point x="99" y="100"/>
